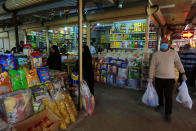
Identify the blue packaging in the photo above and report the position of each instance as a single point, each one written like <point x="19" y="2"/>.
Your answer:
<point x="111" y="79"/>
<point x="121" y="82"/>
<point x="43" y="73"/>
<point x="7" y="62"/>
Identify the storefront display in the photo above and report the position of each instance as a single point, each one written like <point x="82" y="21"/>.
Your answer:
<point x="123" y="64"/>
<point x="26" y="93"/>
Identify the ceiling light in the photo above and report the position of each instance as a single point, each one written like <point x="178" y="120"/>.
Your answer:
<point x="98" y="24"/>
<point x="167" y="6"/>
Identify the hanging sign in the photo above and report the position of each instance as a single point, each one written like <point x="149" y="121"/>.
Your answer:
<point x="187" y="34"/>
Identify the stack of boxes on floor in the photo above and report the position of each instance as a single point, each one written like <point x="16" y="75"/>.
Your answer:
<point x="122" y="69"/>
<point x="26" y="94"/>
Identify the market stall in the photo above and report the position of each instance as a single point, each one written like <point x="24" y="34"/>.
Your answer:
<point x="122" y="64"/>
<point x="32" y="97"/>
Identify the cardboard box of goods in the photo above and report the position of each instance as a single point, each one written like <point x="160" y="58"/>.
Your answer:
<point x="27" y="124"/>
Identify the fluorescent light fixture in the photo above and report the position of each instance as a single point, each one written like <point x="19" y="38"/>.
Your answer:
<point x="98" y="24"/>
<point x="167" y="6"/>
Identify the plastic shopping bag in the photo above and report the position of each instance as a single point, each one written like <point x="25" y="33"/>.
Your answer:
<point x="183" y="96"/>
<point x="87" y="98"/>
<point x="150" y="96"/>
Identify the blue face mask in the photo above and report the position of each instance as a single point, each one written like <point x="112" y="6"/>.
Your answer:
<point x="164" y="46"/>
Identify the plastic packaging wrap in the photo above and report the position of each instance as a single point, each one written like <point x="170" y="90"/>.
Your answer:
<point x="110" y="79"/>
<point x="150" y="96"/>
<point x="38" y="93"/>
<point x="87" y="98"/>
<point x="75" y="79"/>
<point x="121" y="82"/>
<point x="134" y="73"/>
<point x="36" y="59"/>
<point x="27" y="49"/>
<point x="43" y="73"/>
<point x="5" y="83"/>
<point x="22" y="61"/>
<point x="183" y="96"/>
<point x="7" y="62"/>
<point x="122" y="73"/>
<point x="18" y="79"/>
<point x="16" y="106"/>
<point x="32" y="77"/>
<point x="4" y="126"/>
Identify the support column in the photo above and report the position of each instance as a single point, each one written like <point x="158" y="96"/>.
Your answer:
<point x="47" y="42"/>
<point x="80" y="48"/>
<point x="147" y="38"/>
<point x="16" y="31"/>
<point x="88" y="31"/>
<point x="25" y="36"/>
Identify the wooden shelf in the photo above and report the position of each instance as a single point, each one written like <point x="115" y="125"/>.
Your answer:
<point x="132" y="40"/>
<point x="135" y="33"/>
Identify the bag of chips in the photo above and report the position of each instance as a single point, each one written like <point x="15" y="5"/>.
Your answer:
<point x="27" y="49"/>
<point x="32" y="77"/>
<point x="16" y="106"/>
<point x="43" y="73"/>
<point x="18" y="79"/>
<point x="7" y="62"/>
<point x="36" y="59"/>
<point x="5" y="83"/>
<point x="22" y="61"/>
<point x="38" y="93"/>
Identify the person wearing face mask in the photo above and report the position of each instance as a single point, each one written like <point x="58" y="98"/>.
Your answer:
<point x="162" y="71"/>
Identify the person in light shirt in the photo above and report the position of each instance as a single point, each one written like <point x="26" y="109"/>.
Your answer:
<point x="162" y="70"/>
<point x="92" y="49"/>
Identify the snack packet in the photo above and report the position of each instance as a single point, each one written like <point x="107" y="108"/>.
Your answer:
<point x="32" y="77"/>
<point x="43" y="73"/>
<point x="18" y="79"/>
<point x="5" y="83"/>
<point x="16" y="106"/>
<point x="38" y="93"/>
<point x="36" y="59"/>
<point x="7" y="62"/>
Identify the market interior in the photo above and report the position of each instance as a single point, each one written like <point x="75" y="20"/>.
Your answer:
<point x="122" y="36"/>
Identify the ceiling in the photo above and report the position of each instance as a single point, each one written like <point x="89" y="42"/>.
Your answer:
<point x="175" y="12"/>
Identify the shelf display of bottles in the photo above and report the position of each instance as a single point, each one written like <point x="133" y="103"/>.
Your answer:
<point x="84" y="34"/>
<point x="132" y="35"/>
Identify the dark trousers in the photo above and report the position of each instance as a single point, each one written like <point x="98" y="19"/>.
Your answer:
<point x="164" y="88"/>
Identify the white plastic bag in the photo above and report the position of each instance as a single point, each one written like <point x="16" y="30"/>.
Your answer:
<point x="150" y="96"/>
<point x="122" y="73"/>
<point x="88" y="99"/>
<point x="183" y="96"/>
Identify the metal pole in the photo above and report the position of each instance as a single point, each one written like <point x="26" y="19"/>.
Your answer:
<point x="147" y="34"/>
<point x="88" y="32"/>
<point x="25" y="37"/>
<point x="80" y="47"/>
<point x="47" y="42"/>
<point x="16" y="31"/>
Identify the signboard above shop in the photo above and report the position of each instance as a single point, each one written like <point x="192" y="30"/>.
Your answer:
<point x="187" y="34"/>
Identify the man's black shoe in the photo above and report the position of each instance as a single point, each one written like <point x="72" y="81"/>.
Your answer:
<point x="167" y="119"/>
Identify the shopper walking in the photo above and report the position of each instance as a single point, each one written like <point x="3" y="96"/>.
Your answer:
<point x="54" y="60"/>
<point x="188" y="59"/>
<point x="88" y="68"/>
<point x="162" y="68"/>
